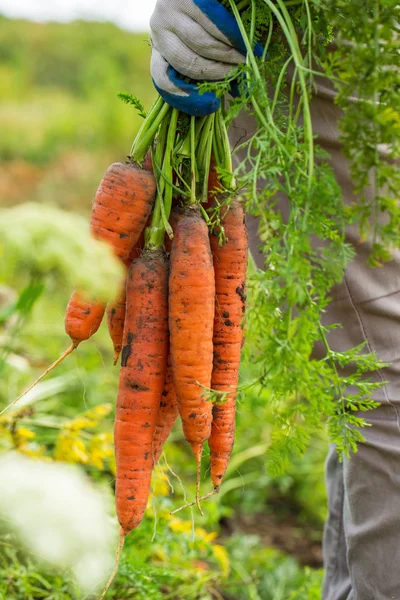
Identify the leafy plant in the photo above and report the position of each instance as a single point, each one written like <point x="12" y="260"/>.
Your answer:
<point x="291" y="295"/>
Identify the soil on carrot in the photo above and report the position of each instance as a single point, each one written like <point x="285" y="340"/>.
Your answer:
<point x="284" y="533"/>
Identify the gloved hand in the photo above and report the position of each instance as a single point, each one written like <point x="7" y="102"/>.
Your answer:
<point x="199" y="39"/>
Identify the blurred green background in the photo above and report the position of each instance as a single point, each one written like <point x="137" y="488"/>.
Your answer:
<point x="61" y="126"/>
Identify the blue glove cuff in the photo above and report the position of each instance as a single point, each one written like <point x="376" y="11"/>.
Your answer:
<point x="191" y="102"/>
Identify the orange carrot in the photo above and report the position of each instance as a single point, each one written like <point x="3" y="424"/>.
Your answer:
<point x="148" y="162"/>
<point x="191" y="315"/>
<point x="167" y="415"/>
<point x="123" y="203"/>
<point x="214" y="185"/>
<point x="230" y="265"/>
<point x="116" y="310"/>
<point x="122" y="206"/>
<point x="82" y="318"/>
<point x="176" y="215"/>
<point x="143" y="371"/>
<point x="115" y="322"/>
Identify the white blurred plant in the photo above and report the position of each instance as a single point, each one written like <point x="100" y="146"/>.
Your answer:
<point x="58" y="516"/>
<point x="46" y="240"/>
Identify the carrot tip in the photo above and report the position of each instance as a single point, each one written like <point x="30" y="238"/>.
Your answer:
<point x="116" y="356"/>
<point x="120" y="547"/>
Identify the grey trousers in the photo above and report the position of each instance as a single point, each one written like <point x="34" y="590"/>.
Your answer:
<point x="362" y="534"/>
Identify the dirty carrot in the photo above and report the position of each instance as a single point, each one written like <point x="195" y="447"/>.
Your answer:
<point x="116" y="309"/>
<point x="122" y="205"/>
<point x="191" y="316"/>
<point x="167" y="415"/>
<point x="230" y="265"/>
<point x="115" y="323"/>
<point x="176" y="215"/>
<point x="143" y="370"/>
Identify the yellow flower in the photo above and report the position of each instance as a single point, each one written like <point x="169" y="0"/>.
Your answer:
<point x="80" y="423"/>
<point x="90" y="418"/>
<point x="222" y="558"/>
<point x="160" y="484"/>
<point x="24" y="434"/>
<point x="100" y="450"/>
<point x="99" y="412"/>
<point x="179" y="526"/>
<point x="210" y="536"/>
<point x="69" y="448"/>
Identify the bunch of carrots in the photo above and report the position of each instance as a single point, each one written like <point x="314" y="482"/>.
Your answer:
<point x="170" y="215"/>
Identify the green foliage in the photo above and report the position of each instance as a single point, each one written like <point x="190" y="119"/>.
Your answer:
<point x="130" y="99"/>
<point x="22" y="579"/>
<point x="368" y="84"/>
<point x="59" y="88"/>
<point x="306" y="254"/>
<point x="39" y="242"/>
<point x="278" y="577"/>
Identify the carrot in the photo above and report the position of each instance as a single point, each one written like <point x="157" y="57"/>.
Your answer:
<point x="148" y="162"/>
<point x="123" y="203"/>
<point x="167" y="415"/>
<point x="82" y="318"/>
<point x="122" y="206"/>
<point x="115" y="322"/>
<point x="214" y="184"/>
<point x="116" y="310"/>
<point x="191" y="315"/>
<point x="143" y="371"/>
<point x="177" y="214"/>
<point x="230" y="265"/>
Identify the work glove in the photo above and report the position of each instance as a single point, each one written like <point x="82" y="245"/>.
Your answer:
<point x="199" y="39"/>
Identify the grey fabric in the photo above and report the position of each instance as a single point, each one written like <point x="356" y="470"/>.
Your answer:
<point x="189" y="41"/>
<point x="362" y="533"/>
<point x="337" y="582"/>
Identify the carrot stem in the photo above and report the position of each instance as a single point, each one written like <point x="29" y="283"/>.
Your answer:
<point x="162" y="209"/>
<point x="158" y="161"/>
<point x="46" y="372"/>
<point x="120" y="547"/>
<point x="205" y="150"/>
<point x="193" y="168"/>
<point x="146" y="134"/>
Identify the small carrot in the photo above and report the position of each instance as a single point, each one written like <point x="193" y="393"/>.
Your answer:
<point x="230" y="265"/>
<point x="115" y="322"/>
<point x="82" y="318"/>
<point x="191" y="315"/>
<point x="214" y="185"/>
<point x="116" y="310"/>
<point x="143" y="371"/>
<point x="176" y="215"/>
<point x="123" y="203"/>
<point x="167" y="415"/>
